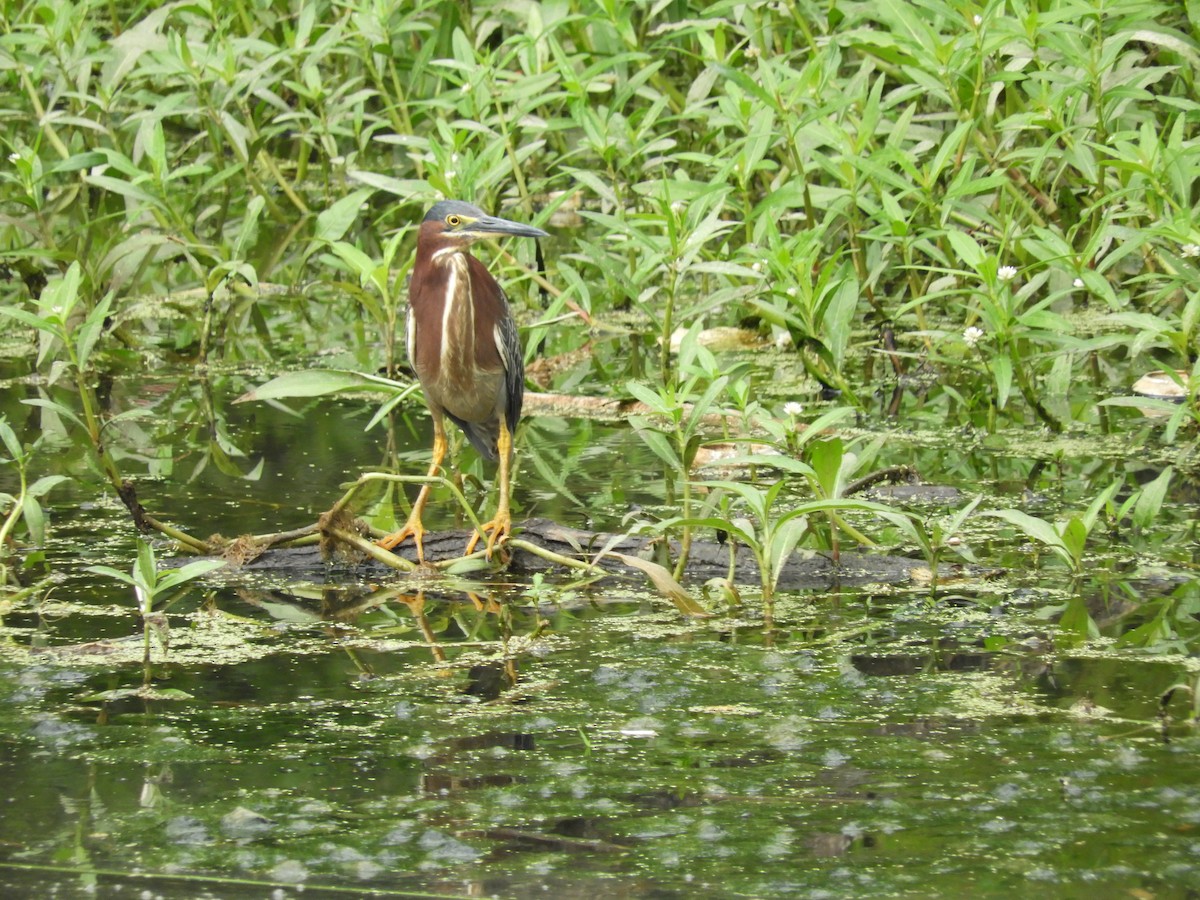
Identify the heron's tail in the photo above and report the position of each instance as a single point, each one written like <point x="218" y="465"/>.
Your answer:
<point x="482" y="435"/>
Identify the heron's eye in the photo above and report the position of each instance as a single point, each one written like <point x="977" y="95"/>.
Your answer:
<point x="453" y="221"/>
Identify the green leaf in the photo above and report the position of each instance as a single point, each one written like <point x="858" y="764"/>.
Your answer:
<point x="154" y="144"/>
<point x="90" y="330"/>
<point x="173" y="577"/>
<point x="408" y="188"/>
<point x="334" y="222"/>
<point x="662" y="447"/>
<point x="85" y="160"/>
<point x="826" y="460"/>
<point x="1168" y="39"/>
<point x="320" y="383"/>
<point x="21" y="315"/>
<point x="966" y="248"/>
<point x="839" y="317"/>
<point x="1150" y="499"/>
<point x="783" y="542"/>
<point x="911" y="527"/>
<point x="58" y="409"/>
<point x="145" y="571"/>
<point x="1077" y="622"/>
<point x="110" y="572"/>
<point x="121" y="188"/>
<point x="1074" y="539"/>
<point x="665" y="584"/>
<point x="743" y="533"/>
<point x="360" y="263"/>
<point x="248" y="230"/>
<point x="35" y="519"/>
<point x="957" y="520"/>
<point x="702" y="406"/>
<point x="834" y="504"/>
<point x="61" y="294"/>
<point x="1002" y="373"/>
<point x="825" y="422"/>
<point x="45" y="484"/>
<point x="651" y="398"/>
<point x="11" y="442"/>
<point x="1038" y="529"/>
<point x="1088" y="519"/>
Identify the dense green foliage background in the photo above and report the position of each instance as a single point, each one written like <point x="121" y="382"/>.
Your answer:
<point x="1009" y="188"/>
<point x="800" y="163"/>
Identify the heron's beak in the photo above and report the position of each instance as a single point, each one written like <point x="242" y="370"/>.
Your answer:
<point x="496" y="225"/>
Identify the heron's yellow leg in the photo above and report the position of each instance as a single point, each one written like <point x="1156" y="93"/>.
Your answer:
<point x="413" y="527"/>
<point x="500" y="527"/>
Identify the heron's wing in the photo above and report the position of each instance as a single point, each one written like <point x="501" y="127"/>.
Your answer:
<point x="508" y="342"/>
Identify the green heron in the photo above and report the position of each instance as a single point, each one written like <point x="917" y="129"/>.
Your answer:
<point x="463" y="345"/>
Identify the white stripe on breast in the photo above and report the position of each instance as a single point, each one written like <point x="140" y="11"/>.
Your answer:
<point x="455" y="344"/>
<point x="410" y="328"/>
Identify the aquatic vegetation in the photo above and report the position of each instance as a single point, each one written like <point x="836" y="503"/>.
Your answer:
<point x="952" y="239"/>
<point x="1068" y="539"/>
<point x="26" y="508"/>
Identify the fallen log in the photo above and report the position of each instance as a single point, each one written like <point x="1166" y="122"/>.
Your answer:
<point x="708" y="559"/>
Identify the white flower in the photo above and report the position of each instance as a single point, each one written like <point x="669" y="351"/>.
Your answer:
<point x="792" y="408"/>
<point x="1007" y="273"/>
<point x="756" y="267"/>
<point x="1190" y="250"/>
<point x="1077" y="283"/>
<point x="972" y="336"/>
<point x="14" y="157"/>
<point x="978" y="20"/>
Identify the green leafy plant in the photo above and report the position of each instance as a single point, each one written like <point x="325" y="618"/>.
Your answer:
<point x="1067" y="539"/>
<point x="149" y="583"/>
<point x="151" y="587"/>
<point x="683" y="409"/>
<point x="754" y="519"/>
<point x="935" y="535"/>
<point x="25" y="506"/>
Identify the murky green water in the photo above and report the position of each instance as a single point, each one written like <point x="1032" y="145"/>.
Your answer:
<point x="531" y="740"/>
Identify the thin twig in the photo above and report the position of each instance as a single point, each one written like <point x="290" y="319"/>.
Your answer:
<point x="549" y="555"/>
<point x="373" y="550"/>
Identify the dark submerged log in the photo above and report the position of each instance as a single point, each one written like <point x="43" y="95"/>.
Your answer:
<point x="708" y="559"/>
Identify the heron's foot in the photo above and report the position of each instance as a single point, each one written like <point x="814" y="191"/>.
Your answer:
<point x="412" y="529"/>
<point x="498" y="531"/>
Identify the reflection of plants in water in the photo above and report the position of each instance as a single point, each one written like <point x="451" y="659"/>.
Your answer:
<point x="1113" y="606"/>
<point x="69" y="328"/>
<point x="1191" y="687"/>
<point x="1171" y="624"/>
<point x="1176" y="415"/>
